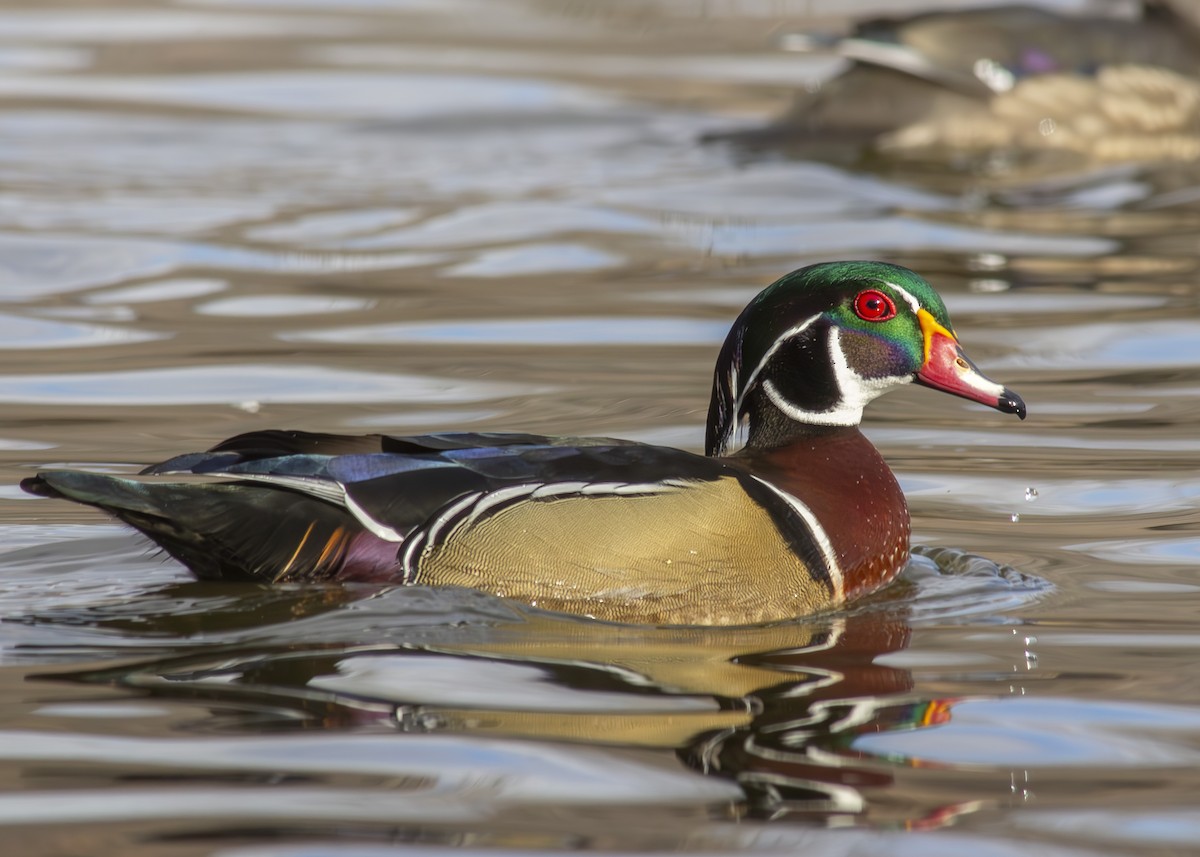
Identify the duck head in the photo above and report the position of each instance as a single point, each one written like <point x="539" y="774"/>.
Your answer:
<point x="815" y="346"/>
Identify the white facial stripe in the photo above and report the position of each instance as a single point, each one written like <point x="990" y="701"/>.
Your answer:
<point x="740" y="434"/>
<point x="731" y="381"/>
<point x="908" y="298"/>
<point x="775" y="346"/>
<point x="855" y="391"/>
<point x="734" y="416"/>
<point x="819" y="536"/>
<point x="840" y="415"/>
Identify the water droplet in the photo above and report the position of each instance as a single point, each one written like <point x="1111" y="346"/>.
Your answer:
<point x="1031" y="494"/>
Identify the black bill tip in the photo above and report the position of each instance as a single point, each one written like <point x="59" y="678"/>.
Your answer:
<point x="1011" y="403"/>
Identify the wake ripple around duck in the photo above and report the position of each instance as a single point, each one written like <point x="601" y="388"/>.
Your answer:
<point x="942" y="584"/>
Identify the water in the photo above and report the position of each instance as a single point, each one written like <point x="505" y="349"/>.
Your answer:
<point x="224" y="216"/>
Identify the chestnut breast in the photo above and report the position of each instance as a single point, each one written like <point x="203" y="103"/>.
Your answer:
<point x="852" y="495"/>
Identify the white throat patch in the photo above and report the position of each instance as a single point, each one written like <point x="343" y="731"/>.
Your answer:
<point x="854" y="391"/>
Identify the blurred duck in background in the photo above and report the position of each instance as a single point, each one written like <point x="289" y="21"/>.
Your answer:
<point x="1100" y="88"/>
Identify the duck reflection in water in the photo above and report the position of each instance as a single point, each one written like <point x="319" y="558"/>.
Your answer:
<point x="774" y="709"/>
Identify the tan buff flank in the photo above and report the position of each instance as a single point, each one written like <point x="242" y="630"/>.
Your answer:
<point x="705" y="554"/>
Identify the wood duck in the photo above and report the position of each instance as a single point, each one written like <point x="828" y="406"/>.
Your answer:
<point x="791" y="511"/>
<point x="1012" y="79"/>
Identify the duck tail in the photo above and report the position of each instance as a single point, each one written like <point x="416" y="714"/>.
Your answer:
<point x="221" y="530"/>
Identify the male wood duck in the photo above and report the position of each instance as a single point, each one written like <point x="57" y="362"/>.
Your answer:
<point x="1012" y="79"/>
<point x="791" y="511"/>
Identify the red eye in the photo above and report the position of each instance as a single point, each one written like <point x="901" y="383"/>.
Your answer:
<point x="872" y="305"/>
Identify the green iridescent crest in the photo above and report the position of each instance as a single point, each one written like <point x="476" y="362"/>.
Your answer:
<point x="829" y="283"/>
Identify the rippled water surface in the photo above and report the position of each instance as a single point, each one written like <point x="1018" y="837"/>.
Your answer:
<point x="496" y="214"/>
